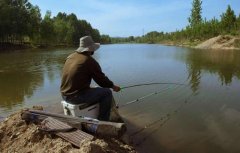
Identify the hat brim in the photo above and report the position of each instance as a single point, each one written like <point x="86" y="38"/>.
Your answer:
<point x="91" y="48"/>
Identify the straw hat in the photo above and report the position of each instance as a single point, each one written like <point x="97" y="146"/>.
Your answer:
<point x="87" y="45"/>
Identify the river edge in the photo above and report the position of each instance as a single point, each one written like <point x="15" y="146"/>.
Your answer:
<point x="18" y="47"/>
<point x="223" y="42"/>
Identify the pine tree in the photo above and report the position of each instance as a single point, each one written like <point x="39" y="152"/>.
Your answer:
<point x="238" y="25"/>
<point x="196" y="17"/>
<point x="228" y="20"/>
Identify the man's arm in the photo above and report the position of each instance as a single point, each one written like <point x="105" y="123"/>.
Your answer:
<point x="100" y="78"/>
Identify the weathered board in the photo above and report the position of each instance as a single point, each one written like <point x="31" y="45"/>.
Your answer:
<point x="74" y="137"/>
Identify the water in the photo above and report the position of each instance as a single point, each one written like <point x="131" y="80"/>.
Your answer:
<point x="201" y="116"/>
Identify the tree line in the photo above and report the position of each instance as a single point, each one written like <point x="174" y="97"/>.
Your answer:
<point x="198" y="28"/>
<point x="21" y="22"/>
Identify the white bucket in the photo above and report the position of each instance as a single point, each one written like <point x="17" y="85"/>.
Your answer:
<point x="79" y="110"/>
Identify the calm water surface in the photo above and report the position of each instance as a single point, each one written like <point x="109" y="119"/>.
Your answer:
<point x="201" y="116"/>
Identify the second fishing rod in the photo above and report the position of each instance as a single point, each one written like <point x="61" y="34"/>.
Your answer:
<point x="171" y="86"/>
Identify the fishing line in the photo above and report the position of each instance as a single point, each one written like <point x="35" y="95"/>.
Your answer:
<point x="118" y="97"/>
<point x="164" y="119"/>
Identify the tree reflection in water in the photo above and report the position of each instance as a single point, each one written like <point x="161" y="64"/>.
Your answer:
<point x="24" y="72"/>
<point x="225" y="63"/>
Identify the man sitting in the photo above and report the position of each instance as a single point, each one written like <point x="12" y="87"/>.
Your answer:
<point x="79" y="69"/>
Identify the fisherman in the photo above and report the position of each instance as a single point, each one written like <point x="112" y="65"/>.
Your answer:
<point x="79" y="69"/>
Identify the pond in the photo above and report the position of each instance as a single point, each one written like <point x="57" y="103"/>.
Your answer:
<point x="200" y="115"/>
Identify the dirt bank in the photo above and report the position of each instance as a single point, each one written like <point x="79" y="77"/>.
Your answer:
<point x="221" y="42"/>
<point x="17" y="136"/>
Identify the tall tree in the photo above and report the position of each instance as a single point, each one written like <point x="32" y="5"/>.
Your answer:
<point x="34" y="23"/>
<point x="196" y="17"/>
<point x="228" y="19"/>
<point x="19" y="19"/>
<point x="5" y="24"/>
<point x="72" y="33"/>
<point x="61" y="27"/>
<point x="238" y="25"/>
<point x="47" y="29"/>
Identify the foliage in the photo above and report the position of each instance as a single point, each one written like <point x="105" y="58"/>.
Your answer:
<point x="228" y="20"/>
<point x="46" y="29"/>
<point x="105" y="39"/>
<point x="195" y="17"/>
<point x="19" y="18"/>
<point x="129" y="39"/>
<point x="21" y="21"/>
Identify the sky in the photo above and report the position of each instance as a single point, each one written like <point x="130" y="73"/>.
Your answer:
<point x="125" y="18"/>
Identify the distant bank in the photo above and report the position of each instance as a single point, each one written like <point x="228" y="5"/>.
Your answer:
<point x="224" y="42"/>
<point x="14" y="46"/>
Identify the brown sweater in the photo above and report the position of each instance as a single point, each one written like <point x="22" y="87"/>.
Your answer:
<point x="77" y="73"/>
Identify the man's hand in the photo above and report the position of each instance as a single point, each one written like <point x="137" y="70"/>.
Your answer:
<point x="116" y="88"/>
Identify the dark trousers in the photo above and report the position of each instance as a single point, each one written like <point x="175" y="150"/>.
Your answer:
<point x="102" y="95"/>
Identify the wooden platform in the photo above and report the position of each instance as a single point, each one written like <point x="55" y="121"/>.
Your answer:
<point x="74" y="137"/>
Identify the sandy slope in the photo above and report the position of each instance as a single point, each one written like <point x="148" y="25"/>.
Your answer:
<point x="221" y="42"/>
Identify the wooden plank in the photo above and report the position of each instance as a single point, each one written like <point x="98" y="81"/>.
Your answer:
<point x="104" y="128"/>
<point x="74" y="137"/>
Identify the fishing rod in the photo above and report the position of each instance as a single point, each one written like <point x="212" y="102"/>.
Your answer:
<point x="143" y="97"/>
<point x="154" y="83"/>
